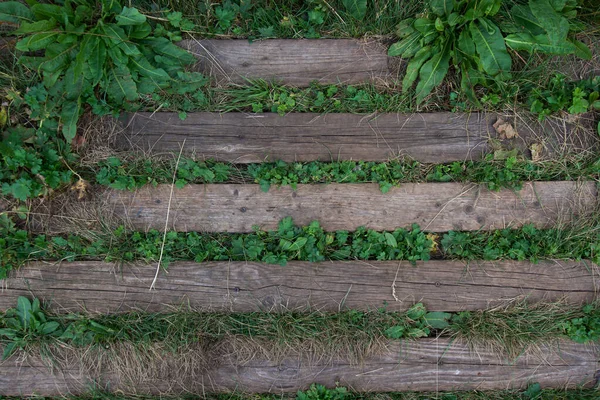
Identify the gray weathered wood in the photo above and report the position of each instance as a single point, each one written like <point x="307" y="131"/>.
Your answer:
<point x="436" y="207"/>
<point x="292" y="61"/>
<point x="246" y="138"/>
<point x="329" y="286"/>
<point x="422" y="365"/>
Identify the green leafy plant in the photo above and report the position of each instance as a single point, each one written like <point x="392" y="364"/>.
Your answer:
<point x="544" y="26"/>
<point x="25" y="324"/>
<point x="320" y="392"/>
<point x="585" y="328"/>
<point x="98" y="54"/>
<point x="419" y="323"/>
<point x="448" y="31"/>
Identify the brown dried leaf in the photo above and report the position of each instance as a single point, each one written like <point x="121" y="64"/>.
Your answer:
<point x="80" y="187"/>
<point x="504" y="129"/>
<point x="536" y="151"/>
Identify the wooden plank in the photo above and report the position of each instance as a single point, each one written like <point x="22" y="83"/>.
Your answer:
<point x="328" y="286"/>
<point x="421" y="365"/>
<point x="248" y="138"/>
<point x="436" y="207"/>
<point x="292" y="62"/>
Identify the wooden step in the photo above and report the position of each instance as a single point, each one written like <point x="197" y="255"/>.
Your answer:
<point x="436" y="207"/>
<point x="328" y="286"/>
<point x="292" y="61"/>
<point x="251" y="138"/>
<point x="420" y="365"/>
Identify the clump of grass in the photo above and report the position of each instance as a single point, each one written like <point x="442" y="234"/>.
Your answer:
<point x="519" y="326"/>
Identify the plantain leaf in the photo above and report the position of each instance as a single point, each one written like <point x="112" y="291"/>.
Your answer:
<point x="582" y="51"/>
<point x="413" y="67"/>
<point x="36" y="27"/>
<point x="556" y="26"/>
<point x="442" y="7"/>
<point x="490" y="46"/>
<point x="529" y="43"/>
<point x="432" y="73"/>
<point x="398" y="48"/>
<point x="405" y="28"/>
<point x="523" y="17"/>
<point x="490" y="7"/>
<point x="466" y="44"/>
<point x="37" y="41"/>
<point x="130" y="17"/>
<point x="356" y="8"/>
<point x="69" y="116"/>
<point x="14" y="12"/>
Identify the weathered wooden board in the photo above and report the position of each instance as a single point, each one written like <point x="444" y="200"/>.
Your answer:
<point x="421" y="365"/>
<point x="293" y="62"/>
<point x="247" y="138"/>
<point x="436" y="207"/>
<point x="329" y="286"/>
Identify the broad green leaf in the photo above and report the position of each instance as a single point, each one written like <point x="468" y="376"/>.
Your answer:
<point x="140" y="31"/>
<point x="146" y="69"/>
<point x="413" y="67"/>
<point x="469" y="78"/>
<point x="406" y="44"/>
<point x="439" y="24"/>
<point x="24" y="311"/>
<point x="14" y="12"/>
<point x="465" y="43"/>
<point x="582" y="51"/>
<point x="69" y="116"/>
<point x="37" y="41"/>
<point x="356" y="8"/>
<point x="556" y="26"/>
<point x="73" y="83"/>
<point x="298" y="244"/>
<point x="117" y="35"/>
<point x="405" y="28"/>
<point x="83" y="54"/>
<point x="130" y="17"/>
<point x="36" y="27"/>
<point x="9" y="349"/>
<point x="395" y="332"/>
<point x="121" y="85"/>
<point x="424" y="25"/>
<point x="96" y="60"/>
<point x="48" y="11"/>
<point x="529" y="43"/>
<point x="416" y="312"/>
<point x="8" y="333"/>
<point x="432" y="73"/>
<point x="490" y="7"/>
<point x="558" y="5"/>
<point x="524" y="18"/>
<point x="49" y="327"/>
<point x="390" y="239"/>
<point x="164" y="47"/>
<point x="57" y="57"/>
<point x="455" y="19"/>
<point x="442" y="7"/>
<point x="490" y="46"/>
<point x="437" y="319"/>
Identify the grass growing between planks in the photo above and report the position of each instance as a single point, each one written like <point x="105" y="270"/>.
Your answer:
<point x="533" y="392"/>
<point x="353" y="334"/>
<point x="502" y="169"/>
<point x="577" y="240"/>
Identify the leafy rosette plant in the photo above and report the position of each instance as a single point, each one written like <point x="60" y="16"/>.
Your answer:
<point x="457" y="32"/>
<point x="98" y="53"/>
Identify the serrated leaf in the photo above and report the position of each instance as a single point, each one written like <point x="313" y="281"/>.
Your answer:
<point x="442" y="7"/>
<point x="14" y="12"/>
<point x="356" y="8"/>
<point x="490" y="46"/>
<point x="432" y="73"/>
<point x="130" y="17"/>
<point x="437" y="319"/>
<point x="413" y="67"/>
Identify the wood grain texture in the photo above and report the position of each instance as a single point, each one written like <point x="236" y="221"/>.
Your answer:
<point x="248" y="138"/>
<point x="436" y="207"/>
<point x="292" y="62"/>
<point x="421" y="365"/>
<point x="329" y="286"/>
